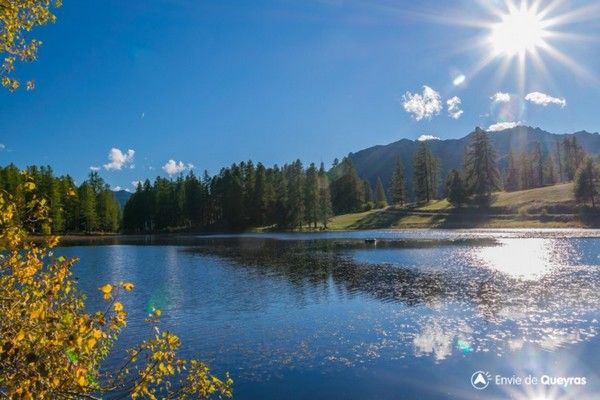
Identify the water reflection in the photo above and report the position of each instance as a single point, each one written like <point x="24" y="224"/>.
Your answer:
<point x="468" y="296"/>
<point x="523" y="258"/>
<point x="261" y="307"/>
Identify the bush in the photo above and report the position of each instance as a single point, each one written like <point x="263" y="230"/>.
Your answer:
<point x="50" y="347"/>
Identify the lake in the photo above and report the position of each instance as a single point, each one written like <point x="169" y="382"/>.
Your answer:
<point x="332" y="316"/>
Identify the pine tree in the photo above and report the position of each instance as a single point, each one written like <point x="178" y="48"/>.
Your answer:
<point x="586" y="182"/>
<point x="511" y="181"/>
<point x="426" y="168"/>
<point x="346" y="188"/>
<point x="87" y="197"/>
<point x="311" y="196"/>
<point x="455" y="189"/>
<point x="481" y="171"/>
<point x="380" y="198"/>
<point x="325" y="209"/>
<point x="260" y="198"/>
<point x="398" y="188"/>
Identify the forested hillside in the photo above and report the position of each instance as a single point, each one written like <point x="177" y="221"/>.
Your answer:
<point x="378" y="162"/>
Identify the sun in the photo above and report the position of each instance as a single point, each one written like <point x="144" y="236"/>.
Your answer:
<point x="519" y="31"/>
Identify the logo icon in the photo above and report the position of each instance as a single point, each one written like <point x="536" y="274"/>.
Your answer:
<point x="480" y="380"/>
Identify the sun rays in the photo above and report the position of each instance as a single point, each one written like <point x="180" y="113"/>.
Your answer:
<point x="523" y="34"/>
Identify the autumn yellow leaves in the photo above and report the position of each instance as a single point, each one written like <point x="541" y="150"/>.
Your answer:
<point x="50" y="347"/>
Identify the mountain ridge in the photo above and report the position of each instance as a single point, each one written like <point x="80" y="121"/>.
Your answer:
<point x="378" y="161"/>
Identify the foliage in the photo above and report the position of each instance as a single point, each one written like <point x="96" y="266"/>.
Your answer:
<point x="398" y="186"/>
<point x="426" y="173"/>
<point x="50" y="347"/>
<point x="239" y="197"/>
<point x="90" y="207"/>
<point x="380" y="198"/>
<point x="481" y="170"/>
<point x="455" y="189"/>
<point x="347" y="189"/>
<point x="17" y="19"/>
<point x="586" y="182"/>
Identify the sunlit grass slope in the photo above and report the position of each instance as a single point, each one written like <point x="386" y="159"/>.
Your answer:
<point x="549" y="207"/>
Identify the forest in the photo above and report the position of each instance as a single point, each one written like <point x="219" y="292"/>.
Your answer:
<point x="293" y="197"/>
<point x="89" y="207"/>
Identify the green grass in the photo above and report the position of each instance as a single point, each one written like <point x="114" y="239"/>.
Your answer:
<point x="547" y="207"/>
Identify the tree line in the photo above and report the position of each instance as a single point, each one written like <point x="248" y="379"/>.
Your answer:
<point x="293" y="196"/>
<point x="89" y="207"/>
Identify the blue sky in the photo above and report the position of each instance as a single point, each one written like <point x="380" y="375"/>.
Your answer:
<point x="209" y="83"/>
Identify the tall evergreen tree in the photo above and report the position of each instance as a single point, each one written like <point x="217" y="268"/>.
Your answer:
<point x="455" y="189"/>
<point x="398" y="188"/>
<point x="511" y="181"/>
<point x="311" y="196"/>
<point x="346" y="188"/>
<point x="89" y="219"/>
<point x="380" y="198"/>
<point x="586" y="182"/>
<point x="481" y="171"/>
<point x="425" y="168"/>
<point x="325" y="209"/>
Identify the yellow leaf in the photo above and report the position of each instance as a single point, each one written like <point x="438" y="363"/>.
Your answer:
<point x="106" y="289"/>
<point x="91" y="342"/>
<point x="118" y="307"/>
<point x="128" y="286"/>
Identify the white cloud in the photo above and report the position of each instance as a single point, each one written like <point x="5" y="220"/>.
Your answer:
<point x="500" y="126"/>
<point x="118" y="159"/>
<point x="542" y="99"/>
<point x="454" y="110"/>
<point x="174" y="167"/>
<point x="94" y="168"/>
<point x="459" y="80"/>
<point x="117" y="188"/>
<point x="424" y="105"/>
<point x="2" y="146"/>
<point x="500" y="97"/>
<point x="424" y="138"/>
<point x="136" y="183"/>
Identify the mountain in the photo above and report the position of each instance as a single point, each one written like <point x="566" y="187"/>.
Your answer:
<point x="379" y="161"/>
<point x="122" y="196"/>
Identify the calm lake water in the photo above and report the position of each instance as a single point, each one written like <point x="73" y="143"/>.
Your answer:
<point x="329" y="316"/>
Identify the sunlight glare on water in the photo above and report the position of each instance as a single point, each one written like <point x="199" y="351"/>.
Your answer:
<point x="522" y="258"/>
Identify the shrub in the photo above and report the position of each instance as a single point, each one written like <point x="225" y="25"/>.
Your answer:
<point x="50" y="347"/>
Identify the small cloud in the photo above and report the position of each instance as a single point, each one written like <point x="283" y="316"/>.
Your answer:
<point x="117" y="188"/>
<point x="424" y="138"/>
<point x="500" y="126"/>
<point x="175" y="167"/>
<point x="424" y="105"/>
<point x="94" y="168"/>
<point x="500" y="97"/>
<point x="118" y="159"/>
<point x="2" y="146"/>
<point x="454" y="110"/>
<point x="459" y="80"/>
<point x="542" y="99"/>
<point x="136" y="183"/>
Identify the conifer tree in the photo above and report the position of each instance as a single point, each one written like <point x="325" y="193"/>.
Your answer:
<point x="455" y="189"/>
<point x="398" y="186"/>
<point x="511" y="181"/>
<point x="380" y="198"/>
<point x="425" y="168"/>
<point x="586" y="182"/>
<point x="481" y="171"/>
